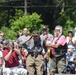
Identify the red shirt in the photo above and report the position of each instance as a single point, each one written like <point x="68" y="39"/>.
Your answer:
<point x="24" y="55"/>
<point x="13" y="60"/>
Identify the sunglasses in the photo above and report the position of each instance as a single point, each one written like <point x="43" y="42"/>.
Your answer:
<point x="35" y="36"/>
<point x="69" y="51"/>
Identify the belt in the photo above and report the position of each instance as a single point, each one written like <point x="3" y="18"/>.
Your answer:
<point x="34" y="54"/>
<point x="12" y="67"/>
<point x="40" y="53"/>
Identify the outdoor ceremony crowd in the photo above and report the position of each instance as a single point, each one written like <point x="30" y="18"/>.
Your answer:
<point x="33" y="53"/>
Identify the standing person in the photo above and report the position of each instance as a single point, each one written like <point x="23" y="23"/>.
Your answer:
<point x="24" y="37"/>
<point x="69" y="39"/>
<point x="35" y="60"/>
<point x="74" y="43"/>
<point x="71" y="42"/>
<point x="46" y="37"/>
<point x="45" y="34"/>
<point x="74" y="50"/>
<point x="11" y="59"/>
<point x="58" y="62"/>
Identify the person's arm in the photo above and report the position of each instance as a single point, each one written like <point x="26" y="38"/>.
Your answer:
<point x="68" y="39"/>
<point x="18" y="51"/>
<point x="26" y="40"/>
<point x="74" y="43"/>
<point x="53" y="45"/>
<point x="60" y="42"/>
<point x="1" y="59"/>
<point x="6" y="58"/>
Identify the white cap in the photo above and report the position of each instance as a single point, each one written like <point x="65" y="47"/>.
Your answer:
<point x="58" y="27"/>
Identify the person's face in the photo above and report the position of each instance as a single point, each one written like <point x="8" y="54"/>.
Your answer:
<point x="70" y="52"/>
<point x="10" y="45"/>
<point x="35" y="37"/>
<point x="2" y="34"/>
<point x="25" y="31"/>
<point x="70" y="35"/>
<point x="44" y="31"/>
<point x="57" y="32"/>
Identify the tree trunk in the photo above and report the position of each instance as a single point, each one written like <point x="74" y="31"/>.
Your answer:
<point x="25" y="7"/>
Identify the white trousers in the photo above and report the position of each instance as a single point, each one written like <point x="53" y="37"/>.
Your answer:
<point x="14" y="71"/>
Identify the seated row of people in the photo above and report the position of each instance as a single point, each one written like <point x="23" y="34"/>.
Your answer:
<point x="10" y="55"/>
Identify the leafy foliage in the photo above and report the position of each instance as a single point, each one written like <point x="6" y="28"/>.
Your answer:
<point x="8" y="33"/>
<point x="61" y="12"/>
<point x="32" y="22"/>
<point x="67" y="17"/>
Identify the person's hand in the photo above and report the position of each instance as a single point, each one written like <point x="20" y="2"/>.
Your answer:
<point x="46" y="37"/>
<point x="47" y="45"/>
<point x="17" y="51"/>
<point x="70" y="39"/>
<point x="31" y="36"/>
<point x="10" y="48"/>
<point x="23" y="58"/>
<point x="45" y="56"/>
<point x="75" y="42"/>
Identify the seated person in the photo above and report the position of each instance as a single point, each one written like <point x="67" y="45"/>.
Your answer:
<point x="69" y="55"/>
<point x="10" y="56"/>
<point x="69" y="62"/>
<point x="23" y="53"/>
<point x="1" y="60"/>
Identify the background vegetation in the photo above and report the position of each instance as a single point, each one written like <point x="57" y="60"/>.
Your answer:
<point x="39" y="13"/>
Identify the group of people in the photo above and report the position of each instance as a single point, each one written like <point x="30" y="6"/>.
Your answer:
<point x="37" y="54"/>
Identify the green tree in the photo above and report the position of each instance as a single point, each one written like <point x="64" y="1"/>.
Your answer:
<point x="66" y="14"/>
<point x="32" y="22"/>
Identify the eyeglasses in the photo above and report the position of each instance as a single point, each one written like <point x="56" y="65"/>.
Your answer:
<point x="70" y="51"/>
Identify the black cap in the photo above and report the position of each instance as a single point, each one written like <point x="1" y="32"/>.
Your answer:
<point x="44" y="28"/>
<point x="70" y="31"/>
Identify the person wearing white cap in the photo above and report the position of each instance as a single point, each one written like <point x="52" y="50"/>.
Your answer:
<point x="58" y="62"/>
<point x="58" y="30"/>
<point x="45" y="34"/>
<point x="46" y="37"/>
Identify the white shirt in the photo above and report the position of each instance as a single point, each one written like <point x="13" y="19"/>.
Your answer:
<point x="1" y="55"/>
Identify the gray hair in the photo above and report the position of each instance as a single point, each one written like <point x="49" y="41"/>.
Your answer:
<point x="60" y="28"/>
